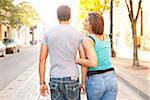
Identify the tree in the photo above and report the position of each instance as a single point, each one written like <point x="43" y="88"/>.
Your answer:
<point x="19" y="15"/>
<point x="133" y="19"/>
<point x="5" y="9"/>
<point x="28" y="15"/>
<point x="23" y="14"/>
<point x="95" y="6"/>
<point x="15" y="19"/>
<point x="92" y="6"/>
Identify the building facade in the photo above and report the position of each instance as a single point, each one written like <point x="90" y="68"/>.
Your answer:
<point x="5" y="31"/>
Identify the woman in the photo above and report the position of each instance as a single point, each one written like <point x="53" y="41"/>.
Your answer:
<point x="98" y="74"/>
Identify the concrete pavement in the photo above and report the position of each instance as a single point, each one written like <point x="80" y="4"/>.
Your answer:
<point x="23" y="88"/>
<point x="136" y="78"/>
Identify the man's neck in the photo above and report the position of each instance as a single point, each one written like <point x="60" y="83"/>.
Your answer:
<point x="64" y="22"/>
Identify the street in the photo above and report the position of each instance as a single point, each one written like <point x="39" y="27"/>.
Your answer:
<point x="13" y="65"/>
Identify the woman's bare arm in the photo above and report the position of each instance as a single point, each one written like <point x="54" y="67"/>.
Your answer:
<point x="91" y="57"/>
<point x="83" y="70"/>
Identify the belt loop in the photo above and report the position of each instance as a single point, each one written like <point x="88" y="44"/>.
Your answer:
<point x="74" y="78"/>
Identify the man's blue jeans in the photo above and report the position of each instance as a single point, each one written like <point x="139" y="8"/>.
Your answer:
<point x="102" y="86"/>
<point x="67" y="88"/>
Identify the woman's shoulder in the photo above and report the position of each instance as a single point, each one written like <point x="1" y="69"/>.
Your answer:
<point x="90" y="35"/>
<point x="106" y="37"/>
<point x="86" y="40"/>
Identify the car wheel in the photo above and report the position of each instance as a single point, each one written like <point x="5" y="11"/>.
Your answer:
<point x="4" y="53"/>
<point x="19" y="49"/>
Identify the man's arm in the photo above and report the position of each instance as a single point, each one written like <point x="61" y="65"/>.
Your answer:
<point x="42" y="62"/>
<point x="42" y="68"/>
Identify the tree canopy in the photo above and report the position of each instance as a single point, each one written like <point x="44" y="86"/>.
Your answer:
<point x="94" y="6"/>
<point x="23" y="14"/>
<point x="18" y="15"/>
<point x="5" y="9"/>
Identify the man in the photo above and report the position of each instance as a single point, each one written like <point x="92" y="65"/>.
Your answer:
<point x="62" y="43"/>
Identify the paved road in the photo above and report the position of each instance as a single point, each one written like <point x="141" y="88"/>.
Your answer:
<point x="14" y="65"/>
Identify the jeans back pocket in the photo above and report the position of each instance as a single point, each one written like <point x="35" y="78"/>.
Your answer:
<point x="54" y="90"/>
<point x="73" y="91"/>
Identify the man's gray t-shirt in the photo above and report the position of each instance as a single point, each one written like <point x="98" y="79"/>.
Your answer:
<point x="63" y="42"/>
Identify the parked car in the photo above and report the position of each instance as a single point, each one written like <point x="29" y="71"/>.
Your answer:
<point x="12" y="45"/>
<point x="2" y="49"/>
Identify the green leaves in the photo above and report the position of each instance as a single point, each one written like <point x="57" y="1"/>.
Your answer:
<point x="94" y="6"/>
<point x="89" y="6"/>
<point x="31" y="14"/>
<point x="5" y="9"/>
<point x="24" y="15"/>
<point x="18" y="15"/>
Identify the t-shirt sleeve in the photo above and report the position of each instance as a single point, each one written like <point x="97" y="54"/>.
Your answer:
<point x="81" y="36"/>
<point x="44" y="39"/>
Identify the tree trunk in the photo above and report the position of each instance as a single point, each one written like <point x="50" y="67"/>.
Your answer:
<point x="33" y="36"/>
<point x="18" y="33"/>
<point x="141" y="22"/>
<point x="135" y="50"/>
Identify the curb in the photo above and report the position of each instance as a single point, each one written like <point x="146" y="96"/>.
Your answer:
<point x="36" y="95"/>
<point x="136" y="90"/>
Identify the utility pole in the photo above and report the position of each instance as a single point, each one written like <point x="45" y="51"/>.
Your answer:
<point x="32" y="30"/>
<point x="141" y="22"/>
<point x="111" y="29"/>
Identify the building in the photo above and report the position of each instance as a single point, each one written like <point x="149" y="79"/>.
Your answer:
<point x="5" y="31"/>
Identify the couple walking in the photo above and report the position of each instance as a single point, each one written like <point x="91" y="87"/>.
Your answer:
<point x="62" y="43"/>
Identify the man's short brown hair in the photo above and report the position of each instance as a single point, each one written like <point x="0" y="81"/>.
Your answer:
<point x="63" y="13"/>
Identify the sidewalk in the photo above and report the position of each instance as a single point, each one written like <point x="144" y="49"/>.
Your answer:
<point x="138" y="79"/>
<point x="23" y="88"/>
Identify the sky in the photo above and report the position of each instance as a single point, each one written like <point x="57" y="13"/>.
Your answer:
<point x="47" y="9"/>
